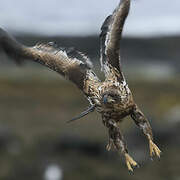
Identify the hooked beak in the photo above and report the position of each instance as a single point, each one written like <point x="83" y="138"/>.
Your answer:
<point x="105" y="99"/>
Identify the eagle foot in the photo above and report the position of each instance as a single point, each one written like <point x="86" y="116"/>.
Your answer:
<point x="154" y="150"/>
<point x="110" y="145"/>
<point x="130" y="162"/>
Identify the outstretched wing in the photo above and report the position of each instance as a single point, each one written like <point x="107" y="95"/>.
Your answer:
<point x="110" y="37"/>
<point x="76" y="70"/>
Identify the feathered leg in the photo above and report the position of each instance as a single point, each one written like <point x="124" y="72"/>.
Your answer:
<point x="143" y="123"/>
<point x="116" y="140"/>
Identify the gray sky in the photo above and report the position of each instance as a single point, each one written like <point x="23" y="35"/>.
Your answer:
<point x="82" y="17"/>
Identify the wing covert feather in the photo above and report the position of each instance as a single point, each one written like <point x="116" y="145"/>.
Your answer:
<point x="56" y="59"/>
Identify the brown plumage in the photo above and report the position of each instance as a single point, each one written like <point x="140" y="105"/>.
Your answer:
<point x="112" y="97"/>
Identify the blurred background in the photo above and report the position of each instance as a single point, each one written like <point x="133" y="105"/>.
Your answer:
<point x="35" y="103"/>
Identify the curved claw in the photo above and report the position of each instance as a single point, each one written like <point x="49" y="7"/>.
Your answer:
<point x="154" y="150"/>
<point x="130" y="162"/>
<point x="110" y="145"/>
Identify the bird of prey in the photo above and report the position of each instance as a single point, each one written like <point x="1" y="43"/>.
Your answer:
<point x="112" y="97"/>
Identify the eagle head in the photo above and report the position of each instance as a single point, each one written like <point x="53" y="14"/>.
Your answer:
<point x="109" y="98"/>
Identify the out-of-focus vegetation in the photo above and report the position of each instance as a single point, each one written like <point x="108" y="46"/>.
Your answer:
<point x="35" y="104"/>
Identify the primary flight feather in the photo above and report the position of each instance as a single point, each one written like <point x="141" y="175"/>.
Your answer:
<point x="112" y="98"/>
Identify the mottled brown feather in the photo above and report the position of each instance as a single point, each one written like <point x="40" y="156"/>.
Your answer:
<point x="50" y="56"/>
<point x="112" y="98"/>
<point x="111" y="36"/>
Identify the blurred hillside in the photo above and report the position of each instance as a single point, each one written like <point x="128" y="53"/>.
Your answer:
<point x="165" y="49"/>
<point x="155" y="48"/>
<point x="153" y="57"/>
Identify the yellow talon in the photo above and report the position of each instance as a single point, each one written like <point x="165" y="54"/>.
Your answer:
<point x="130" y="162"/>
<point x="110" y="145"/>
<point x="154" y="150"/>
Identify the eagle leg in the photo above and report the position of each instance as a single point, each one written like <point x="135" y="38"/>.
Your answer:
<point x="143" y="124"/>
<point x="116" y="140"/>
<point x="89" y="110"/>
